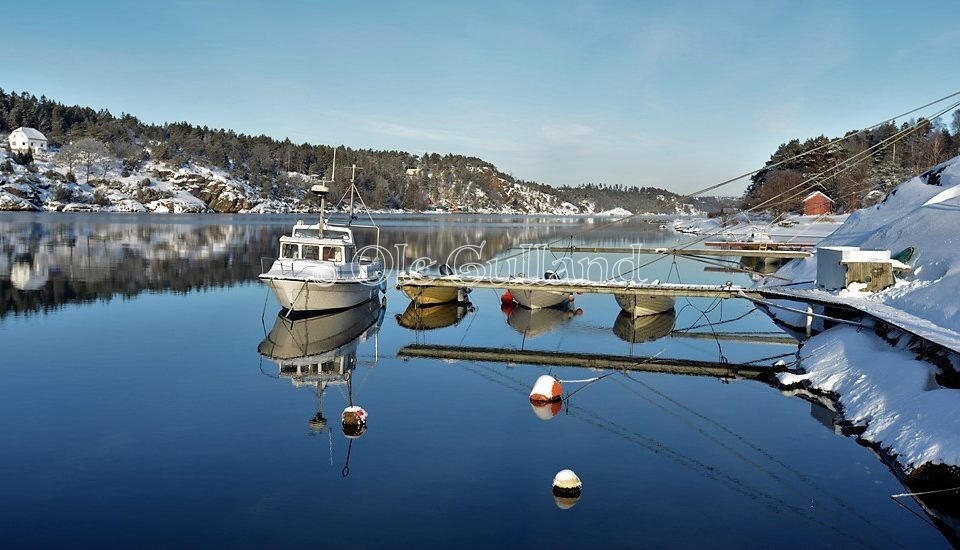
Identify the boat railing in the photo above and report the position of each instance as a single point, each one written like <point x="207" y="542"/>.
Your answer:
<point x="295" y="267"/>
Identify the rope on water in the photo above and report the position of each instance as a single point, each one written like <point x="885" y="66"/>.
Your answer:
<point x="925" y="493"/>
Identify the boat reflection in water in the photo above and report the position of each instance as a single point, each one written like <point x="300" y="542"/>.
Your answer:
<point x="535" y="322"/>
<point x="321" y="350"/>
<point x="419" y="317"/>
<point x="644" y="329"/>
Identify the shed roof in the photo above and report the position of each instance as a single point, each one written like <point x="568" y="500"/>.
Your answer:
<point x="814" y="194"/>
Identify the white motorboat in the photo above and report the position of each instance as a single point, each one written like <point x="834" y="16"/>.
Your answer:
<point x="319" y="268"/>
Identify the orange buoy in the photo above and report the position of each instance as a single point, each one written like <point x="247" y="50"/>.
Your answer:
<point x="579" y="311"/>
<point x="506" y="297"/>
<point x="547" y="389"/>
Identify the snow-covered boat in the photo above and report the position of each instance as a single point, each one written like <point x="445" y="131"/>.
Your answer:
<point x="638" y="305"/>
<point x="318" y="267"/>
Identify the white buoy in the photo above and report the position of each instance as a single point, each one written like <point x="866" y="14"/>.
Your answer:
<point x="566" y="489"/>
<point x="547" y="389"/>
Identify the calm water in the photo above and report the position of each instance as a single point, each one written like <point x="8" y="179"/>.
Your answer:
<point x="137" y="408"/>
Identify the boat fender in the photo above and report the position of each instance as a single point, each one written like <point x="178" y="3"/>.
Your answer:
<point x="506" y="297"/>
<point x="546" y="389"/>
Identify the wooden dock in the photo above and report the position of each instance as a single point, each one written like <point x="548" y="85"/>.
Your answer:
<point x="784" y="254"/>
<point x="762" y="246"/>
<point x="591" y="361"/>
<point x="575" y="285"/>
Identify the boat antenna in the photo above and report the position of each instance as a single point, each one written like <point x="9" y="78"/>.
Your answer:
<point x="321" y="189"/>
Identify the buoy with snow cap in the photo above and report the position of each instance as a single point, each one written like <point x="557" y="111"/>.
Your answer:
<point x="546" y="389"/>
<point x="566" y="489"/>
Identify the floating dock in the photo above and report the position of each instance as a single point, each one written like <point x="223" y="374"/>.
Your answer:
<point x="582" y="286"/>
<point x="761" y="245"/>
<point x="591" y="361"/>
<point x="742" y="252"/>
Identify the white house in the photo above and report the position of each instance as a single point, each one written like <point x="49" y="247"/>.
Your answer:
<point x="24" y="138"/>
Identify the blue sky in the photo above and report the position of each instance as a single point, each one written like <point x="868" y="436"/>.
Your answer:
<point x="674" y="94"/>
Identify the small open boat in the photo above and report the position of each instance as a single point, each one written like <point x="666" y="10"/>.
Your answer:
<point x="638" y="305"/>
<point x="537" y="299"/>
<point x="426" y="295"/>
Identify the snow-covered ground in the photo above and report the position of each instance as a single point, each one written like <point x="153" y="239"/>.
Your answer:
<point x="884" y="389"/>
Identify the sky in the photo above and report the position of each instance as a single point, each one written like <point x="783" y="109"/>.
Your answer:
<point x="678" y="95"/>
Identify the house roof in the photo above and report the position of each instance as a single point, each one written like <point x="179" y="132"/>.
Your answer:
<point x="814" y="194"/>
<point x="31" y="133"/>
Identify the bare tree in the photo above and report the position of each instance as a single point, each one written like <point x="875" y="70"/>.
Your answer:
<point x="87" y="152"/>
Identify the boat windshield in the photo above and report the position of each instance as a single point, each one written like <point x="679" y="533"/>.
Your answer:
<point x="290" y="250"/>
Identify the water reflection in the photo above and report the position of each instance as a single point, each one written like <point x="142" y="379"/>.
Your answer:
<point x="645" y="328"/>
<point x="536" y="322"/>
<point x="433" y="317"/>
<point x="48" y="261"/>
<point x="321" y="350"/>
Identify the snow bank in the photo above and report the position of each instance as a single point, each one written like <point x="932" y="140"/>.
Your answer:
<point x="887" y="391"/>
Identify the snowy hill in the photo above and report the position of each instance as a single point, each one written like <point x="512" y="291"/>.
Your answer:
<point x="48" y="185"/>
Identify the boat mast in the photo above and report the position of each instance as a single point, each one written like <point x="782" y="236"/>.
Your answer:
<point x="353" y="189"/>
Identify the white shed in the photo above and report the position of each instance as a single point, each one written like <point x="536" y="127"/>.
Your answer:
<point x="24" y="138"/>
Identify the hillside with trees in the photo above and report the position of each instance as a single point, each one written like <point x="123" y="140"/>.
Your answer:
<point x="856" y="170"/>
<point x="119" y="163"/>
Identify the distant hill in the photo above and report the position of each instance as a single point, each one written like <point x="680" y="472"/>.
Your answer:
<point x="99" y="161"/>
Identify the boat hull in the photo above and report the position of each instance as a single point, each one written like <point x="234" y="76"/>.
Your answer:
<point x="299" y="295"/>
<point x="639" y="305"/>
<point x="538" y="299"/>
<point x="425" y="295"/>
<point x="644" y="328"/>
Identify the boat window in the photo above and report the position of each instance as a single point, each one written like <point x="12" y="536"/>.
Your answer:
<point x="310" y="252"/>
<point x="290" y="251"/>
<point x="333" y="253"/>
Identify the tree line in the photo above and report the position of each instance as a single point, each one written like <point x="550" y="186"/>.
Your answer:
<point x="853" y="170"/>
<point x="388" y="179"/>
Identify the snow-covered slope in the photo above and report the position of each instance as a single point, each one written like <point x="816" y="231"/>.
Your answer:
<point x="909" y="217"/>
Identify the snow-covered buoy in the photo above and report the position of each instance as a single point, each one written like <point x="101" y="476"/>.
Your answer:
<point x="546" y="411"/>
<point x="566" y="489"/>
<point x="547" y="389"/>
<point x="506" y="297"/>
